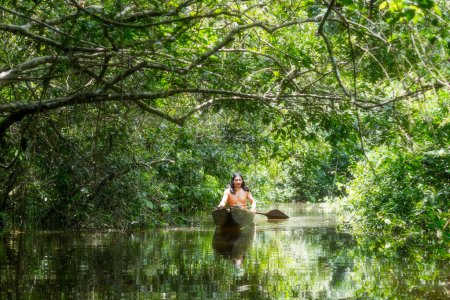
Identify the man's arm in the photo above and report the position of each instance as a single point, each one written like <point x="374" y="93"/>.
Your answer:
<point x="224" y="199"/>
<point x="252" y="201"/>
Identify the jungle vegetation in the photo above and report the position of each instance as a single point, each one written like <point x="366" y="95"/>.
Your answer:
<point x="116" y="114"/>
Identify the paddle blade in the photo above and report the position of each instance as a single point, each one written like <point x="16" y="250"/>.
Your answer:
<point x="276" y="214"/>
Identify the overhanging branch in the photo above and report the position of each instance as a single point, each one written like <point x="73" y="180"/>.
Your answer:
<point x="30" y="64"/>
<point x="22" y="30"/>
<point x="330" y="48"/>
<point x="46" y="105"/>
<point x="424" y="89"/>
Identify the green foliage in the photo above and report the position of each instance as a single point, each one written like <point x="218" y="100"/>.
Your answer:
<point x="404" y="198"/>
<point x="103" y="172"/>
<point x="121" y="113"/>
<point x="314" y="172"/>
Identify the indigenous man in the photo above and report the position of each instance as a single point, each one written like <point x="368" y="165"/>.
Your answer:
<point x="237" y="194"/>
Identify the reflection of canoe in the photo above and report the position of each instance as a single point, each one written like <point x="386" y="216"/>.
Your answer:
<point x="232" y="217"/>
<point x="233" y="242"/>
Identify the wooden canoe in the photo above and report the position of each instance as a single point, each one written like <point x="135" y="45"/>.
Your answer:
<point x="232" y="217"/>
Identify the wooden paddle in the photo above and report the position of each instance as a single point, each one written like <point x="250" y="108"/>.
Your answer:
<point x="274" y="214"/>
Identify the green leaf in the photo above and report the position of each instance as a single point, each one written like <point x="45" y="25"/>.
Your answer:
<point x="410" y="13"/>
<point x="383" y="5"/>
<point x="427" y="4"/>
<point x="345" y="2"/>
<point x="149" y="205"/>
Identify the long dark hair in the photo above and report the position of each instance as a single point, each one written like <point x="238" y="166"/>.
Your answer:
<point x="243" y="186"/>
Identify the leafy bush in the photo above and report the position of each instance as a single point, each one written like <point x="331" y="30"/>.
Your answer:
<point x="407" y="192"/>
<point x="402" y="197"/>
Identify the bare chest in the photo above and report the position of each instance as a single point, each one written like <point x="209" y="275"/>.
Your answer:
<point x="239" y="197"/>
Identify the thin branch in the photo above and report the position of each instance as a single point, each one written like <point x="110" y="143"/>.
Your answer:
<point x="402" y="97"/>
<point x="330" y="48"/>
<point x="375" y="59"/>
<point x="155" y="162"/>
<point x="255" y="53"/>
<point x="122" y="24"/>
<point x="355" y="95"/>
<point x="422" y="60"/>
<point x="158" y="113"/>
<point x="230" y="37"/>
<point x="365" y="28"/>
<point x="7" y="75"/>
<point x="22" y="30"/>
<point x="35" y="23"/>
<point x="327" y="97"/>
<point x="91" y="97"/>
<point x="199" y="107"/>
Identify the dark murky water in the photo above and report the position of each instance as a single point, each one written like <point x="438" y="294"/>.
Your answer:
<point x="302" y="258"/>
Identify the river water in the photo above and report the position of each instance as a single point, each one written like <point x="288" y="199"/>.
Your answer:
<point x="305" y="257"/>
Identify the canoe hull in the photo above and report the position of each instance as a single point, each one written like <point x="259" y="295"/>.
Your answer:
<point x="221" y="217"/>
<point x="232" y="217"/>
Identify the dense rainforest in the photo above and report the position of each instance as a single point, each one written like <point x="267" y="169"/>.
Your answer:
<point x="120" y="114"/>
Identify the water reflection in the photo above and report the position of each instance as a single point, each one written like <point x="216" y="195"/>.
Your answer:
<point x="233" y="243"/>
<point x="302" y="258"/>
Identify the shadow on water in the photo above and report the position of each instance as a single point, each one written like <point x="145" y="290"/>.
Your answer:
<point x="304" y="257"/>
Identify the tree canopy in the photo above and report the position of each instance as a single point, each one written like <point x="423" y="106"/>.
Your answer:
<point x="196" y="54"/>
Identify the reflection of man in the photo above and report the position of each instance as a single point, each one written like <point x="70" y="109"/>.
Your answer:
<point x="237" y="194"/>
<point x="233" y="244"/>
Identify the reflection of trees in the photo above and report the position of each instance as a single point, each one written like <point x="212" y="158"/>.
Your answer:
<point x="400" y="277"/>
<point x="54" y="265"/>
<point x="305" y="263"/>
